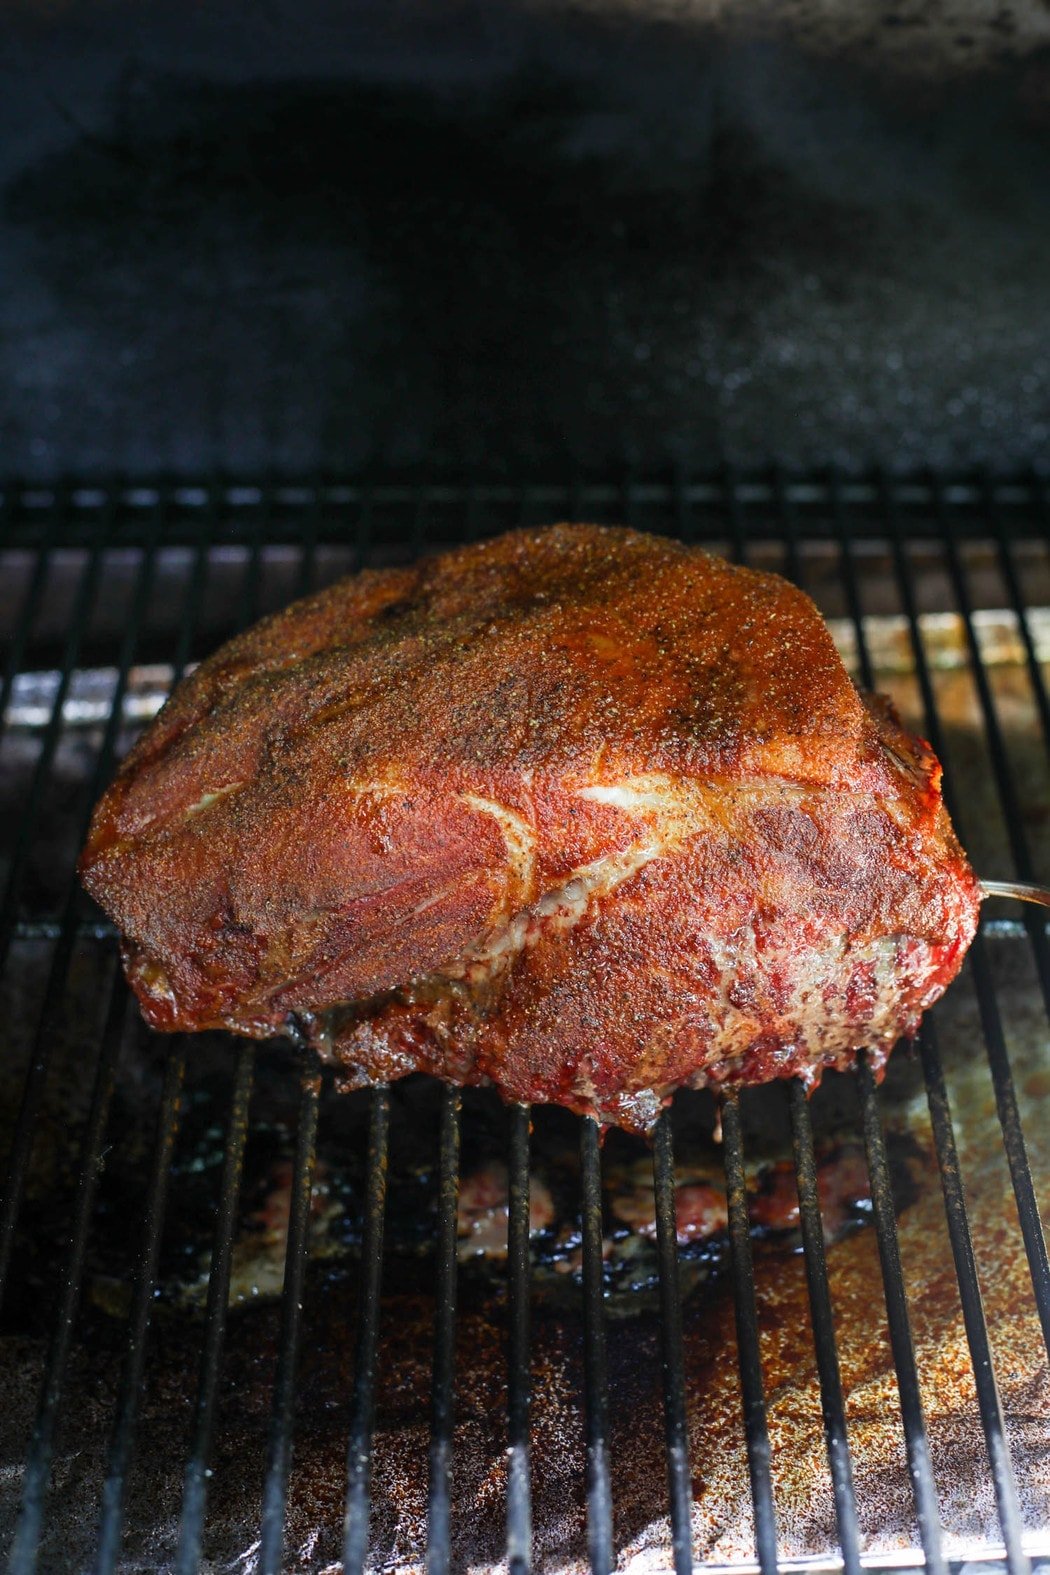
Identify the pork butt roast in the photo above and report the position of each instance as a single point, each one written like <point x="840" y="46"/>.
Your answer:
<point x="583" y="813"/>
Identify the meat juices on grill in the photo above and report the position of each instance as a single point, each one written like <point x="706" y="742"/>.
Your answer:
<point x="581" y="812"/>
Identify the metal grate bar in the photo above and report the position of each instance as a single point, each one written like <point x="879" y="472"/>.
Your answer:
<point x="1012" y="816"/>
<point x="419" y="522"/>
<point x="38" y="1460"/>
<point x="530" y="508"/>
<point x="51" y="929"/>
<point x="832" y="1404"/>
<point x="362" y="1407"/>
<point x="129" y="643"/>
<point x="26" y="619"/>
<point x="198" y="1470"/>
<point x="125" y="656"/>
<point x="365" y="522"/>
<point x="473" y="518"/>
<point x="1008" y="1113"/>
<point x="194" y="599"/>
<point x="737" y="522"/>
<point x="519" y="1486"/>
<point x="575" y="507"/>
<point x="916" y="1442"/>
<point x="282" y="1422"/>
<point x="44" y="1037"/>
<point x="991" y="1019"/>
<point x="972" y="1306"/>
<point x="67" y="932"/>
<point x="1013" y="1135"/>
<point x="107" y="749"/>
<point x="131" y="1384"/>
<point x="253" y="569"/>
<point x="906" y="592"/>
<point x="439" y="1504"/>
<point x="825" y="1347"/>
<point x="308" y="549"/>
<point x="25" y="1130"/>
<point x="786" y="517"/>
<point x="278" y="509"/>
<point x="865" y="666"/>
<point x="630" y="500"/>
<point x="685" y="520"/>
<point x="30" y="815"/>
<point x="679" y="1477"/>
<point x="195" y="1491"/>
<point x="244" y="498"/>
<point x="756" y="1427"/>
<point x="595" y="1368"/>
<point x="1008" y="570"/>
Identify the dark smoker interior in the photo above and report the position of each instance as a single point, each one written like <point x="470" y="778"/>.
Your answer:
<point x="530" y="236"/>
<point x="286" y="292"/>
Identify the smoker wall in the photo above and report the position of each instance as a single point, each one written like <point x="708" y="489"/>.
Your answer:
<point x="523" y="236"/>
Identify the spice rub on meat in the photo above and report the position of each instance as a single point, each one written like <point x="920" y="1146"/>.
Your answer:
<point x="581" y="812"/>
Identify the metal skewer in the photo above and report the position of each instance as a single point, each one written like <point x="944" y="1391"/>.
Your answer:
<point x="1021" y="891"/>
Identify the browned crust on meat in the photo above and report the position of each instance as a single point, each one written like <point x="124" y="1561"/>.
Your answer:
<point x="354" y="799"/>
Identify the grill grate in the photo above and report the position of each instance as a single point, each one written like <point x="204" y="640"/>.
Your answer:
<point x="265" y="543"/>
